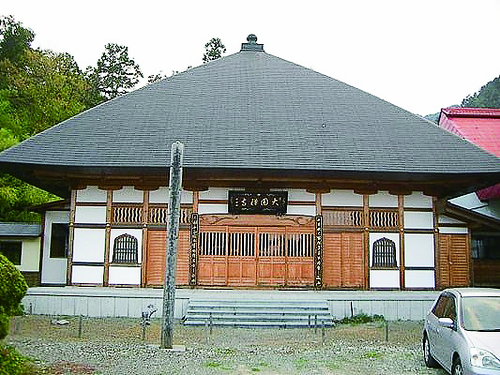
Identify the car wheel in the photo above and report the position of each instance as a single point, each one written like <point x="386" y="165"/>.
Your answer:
<point x="428" y="358"/>
<point x="457" y="368"/>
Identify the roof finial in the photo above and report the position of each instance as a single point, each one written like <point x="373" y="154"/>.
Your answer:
<point x="252" y="39"/>
<point x="252" y="44"/>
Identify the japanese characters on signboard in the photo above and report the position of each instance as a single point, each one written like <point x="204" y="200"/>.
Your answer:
<point x="269" y="203"/>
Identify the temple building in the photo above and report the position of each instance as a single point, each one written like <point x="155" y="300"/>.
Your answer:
<point x="291" y="179"/>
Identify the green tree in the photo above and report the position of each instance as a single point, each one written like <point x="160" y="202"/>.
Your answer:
<point x="213" y="50"/>
<point x="14" y="40"/>
<point x="13" y="287"/>
<point x="116" y="73"/>
<point x="487" y="97"/>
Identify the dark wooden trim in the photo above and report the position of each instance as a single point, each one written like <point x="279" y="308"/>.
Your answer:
<point x="107" y="236"/>
<point x="144" y="256"/>
<point x="90" y="226"/>
<point x="419" y="231"/>
<point x="212" y="201"/>
<point x="71" y="237"/>
<point x="401" y="224"/>
<point x="42" y="244"/>
<point x="338" y="229"/>
<point x="416" y="209"/>
<point x="90" y="204"/>
<point x="418" y="268"/>
<point x="95" y="264"/>
<point x="302" y="203"/>
<point x="343" y="208"/>
<point x="128" y="265"/>
<point x="451" y="225"/>
<point x="366" y="240"/>
<point x="436" y="245"/>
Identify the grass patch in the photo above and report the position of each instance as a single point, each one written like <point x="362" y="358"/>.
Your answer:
<point x="361" y="319"/>
<point x="372" y="355"/>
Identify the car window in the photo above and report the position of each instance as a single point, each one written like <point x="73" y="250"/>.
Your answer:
<point x="440" y="306"/>
<point x="450" y="310"/>
<point x="481" y="313"/>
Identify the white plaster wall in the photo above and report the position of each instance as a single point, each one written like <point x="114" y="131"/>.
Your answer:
<point x="392" y="236"/>
<point x="419" y="220"/>
<point x="53" y="269"/>
<point x="419" y="279"/>
<point x="91" y="194"/>
<point x="442" y="219"/>
<point x="207" y="208"/>
<point x="341" y="198"/>
<point x="301" y="195"/>
<point x="384" y="279"/>
<point x="128" y="194"/>
<point x="161" y="195"/>
<point x="453" y="230"/>
<point x="88" y="245"/>
<point x="90" y="214"/>
<point x="87" y="274"/>
<point x="301" y="210"/>
<point x="137" y="233"/>
<point x="30" y="255"/>
<point x="124" y="275"/>
<point x="383" y="199"/>
<point x="215" y="193"/>
<point x="419" y="250"/>
<point x="417" y="200"/>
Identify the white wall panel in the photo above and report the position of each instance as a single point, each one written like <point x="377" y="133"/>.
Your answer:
<point x="417" y="200"/>
<point x="392" y="236"/>
<point x="124" y="275"/>
<point x="419" y="279"/>
<point x="90" y="215"/>
<point x="161" y="195"/>
<point x="384" y="279"/>
<point x="301" y="195"/>
<point x="383" y="199"/>
<point x="128" y="194"/>
<point x="87" y="274"/>
<point x="53" y="269"/>
<point x="215" y="193"/>
<point x="206" y="208"/>
<point x="91" y="194"/>
<point x="452" y="230"/>
<point x="301" y="210"/>
<point x="419" y="220"/>
<point x="137" y="233"/>
<point x="419" y="250"/>
<point x="346" y="198"/>
<point x="30" y="255"/>
<point x="88" y="245"/>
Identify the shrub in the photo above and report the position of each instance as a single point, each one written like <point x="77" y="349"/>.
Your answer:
<point x="13" y="363"/>
<point x="13" y="287"/>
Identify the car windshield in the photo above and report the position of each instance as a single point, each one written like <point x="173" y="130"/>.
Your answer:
<point x="481" y="313"/>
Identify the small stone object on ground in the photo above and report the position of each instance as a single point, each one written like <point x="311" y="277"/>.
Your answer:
<point x="60" y="322"/>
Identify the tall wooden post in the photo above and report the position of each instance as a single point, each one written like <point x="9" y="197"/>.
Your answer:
<point x="174" y="208"/>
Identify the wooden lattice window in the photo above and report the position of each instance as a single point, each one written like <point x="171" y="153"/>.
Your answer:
<point x="384" y="253"/>
<point x="125" y="249"/>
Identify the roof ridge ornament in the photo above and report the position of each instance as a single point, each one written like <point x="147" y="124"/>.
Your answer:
<point x="252" y="44"/>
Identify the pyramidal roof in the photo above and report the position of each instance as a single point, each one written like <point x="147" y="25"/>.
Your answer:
<point x="252" y="111"/>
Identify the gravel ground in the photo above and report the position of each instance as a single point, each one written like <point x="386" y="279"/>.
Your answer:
<point x="115" y="346"/>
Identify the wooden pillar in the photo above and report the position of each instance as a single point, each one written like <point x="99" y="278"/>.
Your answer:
<point x="107" y="236"/>
<point x="436" y="245"/>
<point x="145" y="221"/>
<point x="366" y="240"/>
<point x="71" y="236"/>
<point x="401" y="223"/>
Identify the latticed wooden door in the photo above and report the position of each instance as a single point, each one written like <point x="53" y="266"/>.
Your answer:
<point x="454" y="260"/>
<point x="249" y="256"/>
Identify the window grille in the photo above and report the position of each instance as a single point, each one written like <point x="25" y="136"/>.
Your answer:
<point x="384" y="253"/>
<point x="125" y="249"/>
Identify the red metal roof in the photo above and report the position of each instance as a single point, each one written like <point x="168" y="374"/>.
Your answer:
<point x="480" y="126"/>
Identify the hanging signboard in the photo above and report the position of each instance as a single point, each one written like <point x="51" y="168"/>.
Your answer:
<point x="270" y="203"/>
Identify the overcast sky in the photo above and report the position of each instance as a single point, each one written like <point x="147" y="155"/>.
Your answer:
<point x="421" y="55"/>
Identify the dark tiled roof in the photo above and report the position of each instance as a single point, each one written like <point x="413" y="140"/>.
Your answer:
<point x="253" y="110"/>
<point x="19" y="230"/>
